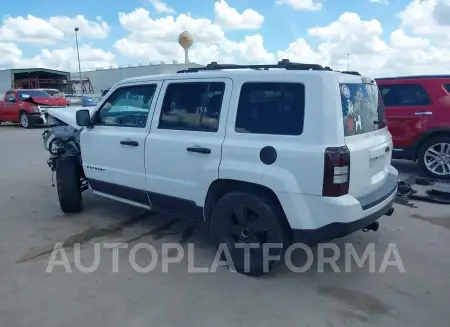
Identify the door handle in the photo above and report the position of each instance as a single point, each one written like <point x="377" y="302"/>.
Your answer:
<point x="129" y="143"/>
<point x="423" y="113"/>
<point x="199" y="150"/>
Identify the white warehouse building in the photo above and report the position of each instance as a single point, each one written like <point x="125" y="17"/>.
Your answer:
<point x="95" y="81"/>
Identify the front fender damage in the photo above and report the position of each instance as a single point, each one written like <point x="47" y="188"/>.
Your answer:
<point x="61" y="141"/>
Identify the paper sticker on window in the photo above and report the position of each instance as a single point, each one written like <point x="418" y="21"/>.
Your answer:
<point x="346" y="91"/>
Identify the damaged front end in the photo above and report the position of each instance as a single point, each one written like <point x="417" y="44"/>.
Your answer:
<point x="63" y="141"/>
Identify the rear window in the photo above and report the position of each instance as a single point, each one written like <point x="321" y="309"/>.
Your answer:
<point x="362" y="108"/>
<point x="271" y="108"/>
<point x="447" y="87"/>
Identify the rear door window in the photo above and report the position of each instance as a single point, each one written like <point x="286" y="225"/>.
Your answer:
<point x="362" y="108"/>
<point x="404" y="95"/>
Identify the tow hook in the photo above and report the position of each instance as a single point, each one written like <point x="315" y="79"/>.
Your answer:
<point x="373" y="226"/>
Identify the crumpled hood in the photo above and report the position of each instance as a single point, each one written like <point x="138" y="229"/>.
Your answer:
<point x="68" y="114"/>
<point x="45" y="101"/>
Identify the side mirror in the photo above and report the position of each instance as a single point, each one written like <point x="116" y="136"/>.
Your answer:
<point x="83" y="118"/>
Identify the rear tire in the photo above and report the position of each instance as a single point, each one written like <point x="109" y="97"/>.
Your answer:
<point x="242" y="218"/>
<point x="437" y="148"/>
<point x="68" y="185"/>
<point x="25" y="121"/>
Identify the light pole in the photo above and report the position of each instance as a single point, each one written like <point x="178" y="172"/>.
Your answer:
<point x="348" y="60"/>
<point x="78" y="54"/>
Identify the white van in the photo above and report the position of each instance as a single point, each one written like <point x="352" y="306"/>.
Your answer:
<point x="263" y="154"/>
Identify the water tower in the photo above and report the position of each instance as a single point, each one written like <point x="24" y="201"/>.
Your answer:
<point x="185" y="40"/>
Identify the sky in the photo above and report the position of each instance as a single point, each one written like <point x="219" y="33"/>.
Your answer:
<point x="374" y="37"/>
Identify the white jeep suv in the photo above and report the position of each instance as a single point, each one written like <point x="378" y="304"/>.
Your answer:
<point x="261" y="154"/>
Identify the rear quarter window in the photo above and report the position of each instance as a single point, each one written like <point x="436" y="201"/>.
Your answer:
<point x="271" y="108"/>
<point x="362" y="108"/>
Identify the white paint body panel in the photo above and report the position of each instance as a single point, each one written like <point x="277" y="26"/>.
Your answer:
<point x="171" y="169"/>
<point x="68" y="114"/>
<point x="164" y="166"/>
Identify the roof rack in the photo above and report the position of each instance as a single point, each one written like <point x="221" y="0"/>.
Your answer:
<point x="283" y="64"/>
<point x="351" y="73"/>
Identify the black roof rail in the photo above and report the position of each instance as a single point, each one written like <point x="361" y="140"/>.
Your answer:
<point x="351" y="73"/>
<point x="283" y="64"/>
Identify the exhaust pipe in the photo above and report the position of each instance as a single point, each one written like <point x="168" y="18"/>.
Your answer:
<point x="373" y="226"/>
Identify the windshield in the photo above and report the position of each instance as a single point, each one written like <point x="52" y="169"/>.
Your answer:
<point x="32" y="93"/>
<point x="362" y="108"/>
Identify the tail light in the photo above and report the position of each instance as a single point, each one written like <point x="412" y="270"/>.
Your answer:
<point x="336" y="177"/>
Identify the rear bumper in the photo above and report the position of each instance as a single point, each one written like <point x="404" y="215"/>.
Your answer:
<point x="380" y="195"/>
<point x="339" y="229"/>
<point x="317" y="218"/>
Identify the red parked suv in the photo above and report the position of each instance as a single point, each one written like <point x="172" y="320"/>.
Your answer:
<point x="418" y="117"/>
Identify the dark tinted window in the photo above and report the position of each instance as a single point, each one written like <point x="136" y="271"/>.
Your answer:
<point x="398" y="95"/>
<point x="192" y="106"/>
<point x="271" y="108"/>
<point x="127" y="106"/>
<point x="362" y="108"/>
<point x="447" y="87"/>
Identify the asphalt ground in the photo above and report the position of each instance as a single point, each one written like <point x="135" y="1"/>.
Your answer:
<point x="31" y="223"/>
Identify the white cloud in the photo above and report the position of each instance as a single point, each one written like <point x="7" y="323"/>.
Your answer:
<point x="384" y="2"/>
<point x="36" y="30"/>
<point x="425" y="18"/>
<point x="66" y="58"/>
<point x="88" y="29"/>
<point x="10" y="55"/>
<point x="302" y="4"/>
<point x="156" y="39"/>
<point x="409" y="49"/>
<point x="420" y="43"/>
<point x="161" y="7"/>
<point x="441" y="13"/>
<point x="29" y="30"/>
<point x="60" y="59"/>
<point x="229" y="18"/>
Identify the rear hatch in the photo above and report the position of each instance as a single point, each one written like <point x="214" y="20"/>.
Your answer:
<point x="366" y="135"/>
